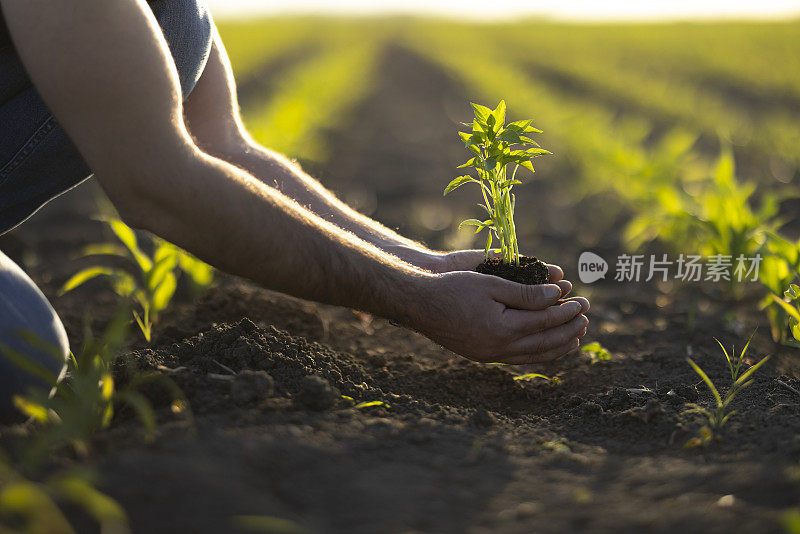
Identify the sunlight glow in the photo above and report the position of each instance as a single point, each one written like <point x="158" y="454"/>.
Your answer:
<point x="505" y="9"/>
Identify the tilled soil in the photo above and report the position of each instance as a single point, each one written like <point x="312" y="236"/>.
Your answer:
<point x="277" y="387"/>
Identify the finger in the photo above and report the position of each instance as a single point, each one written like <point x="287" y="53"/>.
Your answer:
<point x="547" y="356"/>
<point x="525" y="297"/>
<point x="546" y="340"/>
<point x="525" y="322"/>
<point x="566" y="287"/>
<point x="556" y="272"/>
<point x="582" y="300"/>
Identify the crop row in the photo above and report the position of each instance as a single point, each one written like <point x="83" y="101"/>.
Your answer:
<point x="675" y="195"/>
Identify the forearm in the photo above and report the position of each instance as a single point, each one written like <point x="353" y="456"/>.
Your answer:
<point x="233" y="221"/>
<point x="287" y="177"/>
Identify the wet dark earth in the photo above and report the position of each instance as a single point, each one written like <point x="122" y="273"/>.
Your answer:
<point x="340" y="422"/>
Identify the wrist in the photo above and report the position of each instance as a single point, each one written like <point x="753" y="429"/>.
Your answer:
<point x="409" y="298"/>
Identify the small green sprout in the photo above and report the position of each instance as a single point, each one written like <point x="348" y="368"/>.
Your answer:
<point x="792" y="308"/>
<point x="154" y="285"/>
<point x="596" y="352"/>
<point x="35" y="505"/>
<point x="719" y="415"/>
<point x="370" y="404"/>
<point x="86" y="400"/>
<point x="554" y="380"/>
<point x="496" y="145"/>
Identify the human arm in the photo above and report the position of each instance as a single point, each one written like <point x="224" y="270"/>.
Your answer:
<point x="104" y="70"/>
<point x="213" y="119"/>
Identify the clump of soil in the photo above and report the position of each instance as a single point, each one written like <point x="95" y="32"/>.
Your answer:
<point x="530" y="270"/>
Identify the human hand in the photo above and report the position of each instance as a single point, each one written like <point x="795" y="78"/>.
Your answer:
<point x="463" y="260"/>
<point x="487" y="319"/>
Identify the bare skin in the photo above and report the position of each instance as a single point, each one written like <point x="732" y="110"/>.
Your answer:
<point x="189" y="173"/>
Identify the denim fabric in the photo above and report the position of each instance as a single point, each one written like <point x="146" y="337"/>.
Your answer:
<point x="37" y="160"/>
<point x="24" y="308"/>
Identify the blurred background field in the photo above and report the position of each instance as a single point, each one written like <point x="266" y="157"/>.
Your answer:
<point x="667" y="137"/>
<point x="637" y="115"/>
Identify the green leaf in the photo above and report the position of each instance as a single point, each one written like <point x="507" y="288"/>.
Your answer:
<point x="101" y="507"/>
<point x="519" y="126"/>
<point x="164" y="292"/>
<point x="509" y="136"/>
<point x="526" y="164"/>
<point x="499" y="113"/>
<point x="707" y="380"/>
<point x="370" y="404"/>
<point x="105" y="249"/>
<point x="788" y="308"/>
<point x="128" y="238"/>
<point x="532" y="375"/>
<point x="532" y="152"/>
<point x="470" y="163"/>
<point x="747" y="374"/>
<point x="29" y="501"/>
<point x="458" y="182"/>
<point x="482" y="113"/>
<point x="471" y="222"/>
<point x="37" y="411"/>
<point x="81" y="277"/>
<point x="490" y="164"/>
<point x="201" y="273"/>
<point x="166" y="262"/>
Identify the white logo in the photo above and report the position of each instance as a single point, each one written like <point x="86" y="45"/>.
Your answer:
<point x="591" y="267"/>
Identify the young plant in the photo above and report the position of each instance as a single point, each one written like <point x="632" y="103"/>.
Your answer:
<point x="596" y="352"/>
<point x="155" y="281"/>
<point x="88" y="397"/>
<point x="719" y="414"/>
<point x="779" y="273"/>
<point x="792" y="309"/>
<point x="554" y="380"/>
<point x="496" y="146"/>
<point x="31" y="506"/>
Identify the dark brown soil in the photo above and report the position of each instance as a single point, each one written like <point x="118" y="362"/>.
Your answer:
<point x="530" y="270"/>
<point x="453" y="446"/>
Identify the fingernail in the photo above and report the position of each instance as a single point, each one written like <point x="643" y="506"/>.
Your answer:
<point x="575" y="307"/>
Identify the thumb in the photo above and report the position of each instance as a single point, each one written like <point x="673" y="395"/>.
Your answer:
<point x="526" y="297"/>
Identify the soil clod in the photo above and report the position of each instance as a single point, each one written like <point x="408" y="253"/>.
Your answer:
<point x="530" y="270"/>
<point x="317" y="394"/>
<point x="251" y="386"/>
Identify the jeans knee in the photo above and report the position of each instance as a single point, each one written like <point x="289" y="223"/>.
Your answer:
<point x="33" y="343"/>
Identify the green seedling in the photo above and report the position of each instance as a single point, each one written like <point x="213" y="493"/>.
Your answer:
<point x="711" y="216"/>
<point x="87" y="399"/>
<point x="370" y="404"/>
<point x="33" y="507"/>
<point x="792" y="309"/>
<point x="720" y="414"/>
<point x="155" y="280"/>
<point x="496" y="146"/>
<point x="596" y="352"/>
<point x="779" y="273"/>
<point x="554" y="380"/>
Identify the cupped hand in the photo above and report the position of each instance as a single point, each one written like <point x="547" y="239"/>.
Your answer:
<point x="488" y="319"/>
<point x="467" y="260"/>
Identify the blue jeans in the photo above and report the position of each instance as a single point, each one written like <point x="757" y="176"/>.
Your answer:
<point x="38" y="162"/>
<point x="24" y="310"/>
